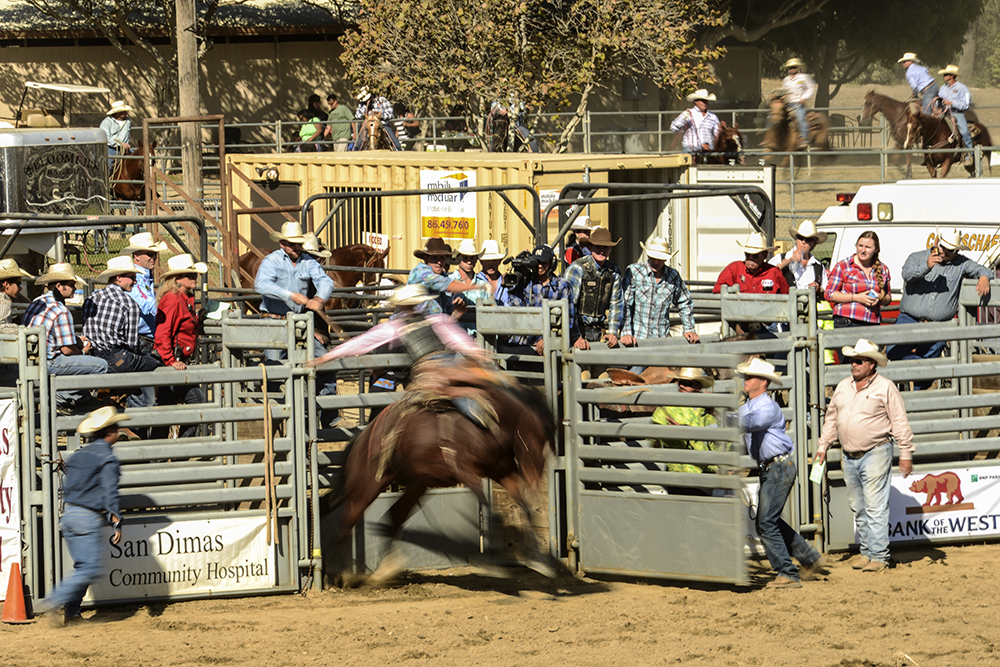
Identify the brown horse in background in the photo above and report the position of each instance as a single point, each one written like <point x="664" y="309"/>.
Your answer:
<point x="728" y="146"/>
<point x="935" y="132"/>
<point x="782" y="134"/>
<point x="896" y="114"/>
<point x="130" y="170"/>
<point x="373" y="136"/>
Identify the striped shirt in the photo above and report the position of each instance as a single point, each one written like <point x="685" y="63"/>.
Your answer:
<point x="648" y="302"/>
<point x="847" y="277"/>
<point x="574" y="275"/>
<point x="46" y="312"/>
<point x="699" y="128"/>
<point x="111" y="319"/>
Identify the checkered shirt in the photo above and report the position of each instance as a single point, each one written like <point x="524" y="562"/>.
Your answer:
<point x="648" y="302"/>
<point x="46" y="312"/>
<point x="847" y="277"/>
<point x="534" y="294"/>
<point x="111" y="319"/>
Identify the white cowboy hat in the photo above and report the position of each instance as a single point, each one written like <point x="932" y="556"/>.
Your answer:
<point x="491" y="250"/>
<point x="701" y="94"/>
<point x="101" y="418"/>
<point x="952" y="240"/>
<point x="311" y="246"/>
<point x="867" y="349"/>
<point x="468" y="248"/>
<point x="181" y="264"/>
<point x="10" y="269"/>
<point x="291" y="232"/>
<point x="143" y="242"/>
<point x="658" y="249"/>
<point x="950" y="69"/>
<point x="117" y="266"/>
<point x="793" y="62"/>
<point x="695" y="375"/>
<point x="62" y="272"/>
<point x="909" y="56"/>
<point x="807" y="229"/>
<point x="409" y="295"/>
<point x="364" y="94"/>
<point x="757" y="367"/>
<point x="581" y="224"/>
<point x="755" y="244"/>
<point x="117" y="107"/>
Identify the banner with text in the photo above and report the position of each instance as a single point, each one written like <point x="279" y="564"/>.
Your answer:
<point x="159" y="559"/>
<point x="10" y="504"/>
<point x="448" y="215"/>
<point x="947" y="505"/>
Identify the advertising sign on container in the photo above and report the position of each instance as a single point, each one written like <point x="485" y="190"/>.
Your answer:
<point x="448" y="215"/>
<point x="158" y="559"/>
<point x="10" y="507"/>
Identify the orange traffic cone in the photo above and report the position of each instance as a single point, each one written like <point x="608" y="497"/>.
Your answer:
<point x="13" y="606"/>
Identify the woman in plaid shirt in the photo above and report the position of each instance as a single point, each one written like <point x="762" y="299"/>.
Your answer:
<point x="858" y="286"/>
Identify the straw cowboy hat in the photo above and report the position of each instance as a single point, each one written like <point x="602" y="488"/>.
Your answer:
<point x="409" y="295"/>
<point x="101" y="418"/>
<point x="311" y="246"/>
<point x="364" y="94"/>
<point x="950" y="69"/>
<point x="143" y="242"/>
<point x="10" y="269"/>
<point x="61" y="272"/>
<point x="181" y="264"/>
<point x="658" y="249"/>
<point x="952" y="240"/>
<point x="581" y="224"/>
<point x="695" y="375"/>
<point x="468" y="248"/>
<point x="757" y="367"/>
<point x="601" y="236"/>
<point x="909" y="56"/>
<point x="622" y="376"/>
<point x="701" y="94"/>
<point x="867" y="349"/>
<point x="291" y="232"/>
<point x="807" y="229"/>
<point x="755" y="243"/>
<point x="117" y="266"/>
<point x="491" y="250"/>
<point x="117" y="107"/>
<point x="793" y="62"/>
<point x="434" y="247"/>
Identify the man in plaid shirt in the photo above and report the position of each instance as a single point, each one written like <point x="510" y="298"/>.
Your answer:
<point x="651" y="290"/>
<point x="111" y="321"/>
<point x="67" y="354"/>
<point x="547" y="287"/>
<point x="597" y="292"/>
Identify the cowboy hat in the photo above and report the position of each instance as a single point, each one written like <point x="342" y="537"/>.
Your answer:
<point x="622" y="376"/>
<point x="434" y="247"/>
<point x="468" y="248"/>
<point x="601" y="236"/>
<point x="755" y="244"/>
<point x="311" y="246"/>
<point x="117" y="266"/>
<point x="757" y="367"/>
<point x="364" y="94"/>
<point x="807" y="229"/>
<point x="867" y="349"/>
<point x="952" y="240"/>
<point x="950" y="69"/>
<point x="409" y="295"/>
<point x="695" y="375"/>
<point x="291" y="232"/>
<point x="701" y="94"/>
<point x="181" y="264"/>
<point x="909" y="56"/>
<point x="581" y="224"/>
<point x="117" y="107"/>
<point x="10" y="269"/>
<point x="491" y="250"/>
<point x="143" y="242"/>
<point x="793" y="62"/>
<point x="658" y="249"/>
<point x="101" y="418"/>
<point x="61" y="272"/>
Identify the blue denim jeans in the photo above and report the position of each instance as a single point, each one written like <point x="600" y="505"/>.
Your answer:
<point x="867" y="480"/>
<point x="780" y="541"/>
<point x="909" y="351"/>
<point x="800" y="116"/>
<point x="927" y="96"/>
<point x="81" y="528"/>
<point x="963" y="127"/>
<point x="77" y="364"/>
<point x="121" y="360"/>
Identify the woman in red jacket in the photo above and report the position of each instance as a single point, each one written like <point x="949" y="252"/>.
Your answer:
<point x="177" y="328"/>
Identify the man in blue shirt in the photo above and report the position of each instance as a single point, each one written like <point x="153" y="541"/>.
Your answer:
<point x="432" y="273"/>
<point x="957" y="99"/>
<point x="773" y="450"/>
<point x="921" y="82"/>
<point x="145" y="252"/>
<point x="545" y="287"/>
<point x="651" y="289"/>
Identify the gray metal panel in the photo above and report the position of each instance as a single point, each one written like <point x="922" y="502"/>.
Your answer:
<point x="663" y="536"/>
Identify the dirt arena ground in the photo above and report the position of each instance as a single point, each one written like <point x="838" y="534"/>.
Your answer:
<point x="935" y="607"/>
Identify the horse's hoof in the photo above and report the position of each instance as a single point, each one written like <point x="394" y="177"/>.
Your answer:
<point x="390" y="569"/>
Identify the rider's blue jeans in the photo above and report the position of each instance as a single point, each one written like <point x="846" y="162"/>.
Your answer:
<point x="927" y="96"/>
<point x="963" y="127"/>
<point x="800" y="116"/>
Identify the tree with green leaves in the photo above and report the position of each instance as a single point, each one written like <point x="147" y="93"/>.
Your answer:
<point x="551" y="54"/>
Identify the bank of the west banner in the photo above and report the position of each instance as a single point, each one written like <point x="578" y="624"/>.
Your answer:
<point x="10" y="507"/>
<point x="448" y="215"/>
<point x="950" y="504"/>
<point x="198" y="556"/>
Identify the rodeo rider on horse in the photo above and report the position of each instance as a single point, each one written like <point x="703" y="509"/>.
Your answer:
<point x="369" y="102"/>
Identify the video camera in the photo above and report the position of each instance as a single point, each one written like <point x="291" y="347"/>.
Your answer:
<point x="523" y="269"/>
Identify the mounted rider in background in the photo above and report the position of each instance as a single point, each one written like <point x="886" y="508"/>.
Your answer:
<point x="514" y="110"/>
<point x="370" y="103"/>
<point x="956" y="99"/>
<point x="921" y="82"/>
<point x="799" y="88"/>
<point x="118" y="127"/>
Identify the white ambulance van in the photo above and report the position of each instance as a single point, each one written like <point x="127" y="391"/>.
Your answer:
<point x="907" y="216"/>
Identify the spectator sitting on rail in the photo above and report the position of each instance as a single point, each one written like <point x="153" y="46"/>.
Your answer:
<point x="921" y="81"/>
<point x="432" y="274"/>
<point x="578" y="241"/>
<point x="489" y="260"/>
<point x="544" y="287"/>
<point x="118" y="127"/>
<point x="310" y="132"/>
<point x="111" y="322"/>
<point x="339" y="124"/>
<point x="145" y="252"/>
<point x="753" y="275"/>
<point x="177" y="328"/>
<point x="651" y="289"/>
<point x="689" y="381"/>
<point x="700" y="126"/>
<point x="67" y="354"/>
<point x="932" y="280"/>
<point x="11" y="276"/>
<point x="859" y="285"/>
<point x="466" y="274"/>
<point x="597" y="292"/>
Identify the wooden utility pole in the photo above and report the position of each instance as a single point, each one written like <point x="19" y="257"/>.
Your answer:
<point x="189" y="92"/>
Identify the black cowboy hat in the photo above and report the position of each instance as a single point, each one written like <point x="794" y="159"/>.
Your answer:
<point x="435" y="246"/>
